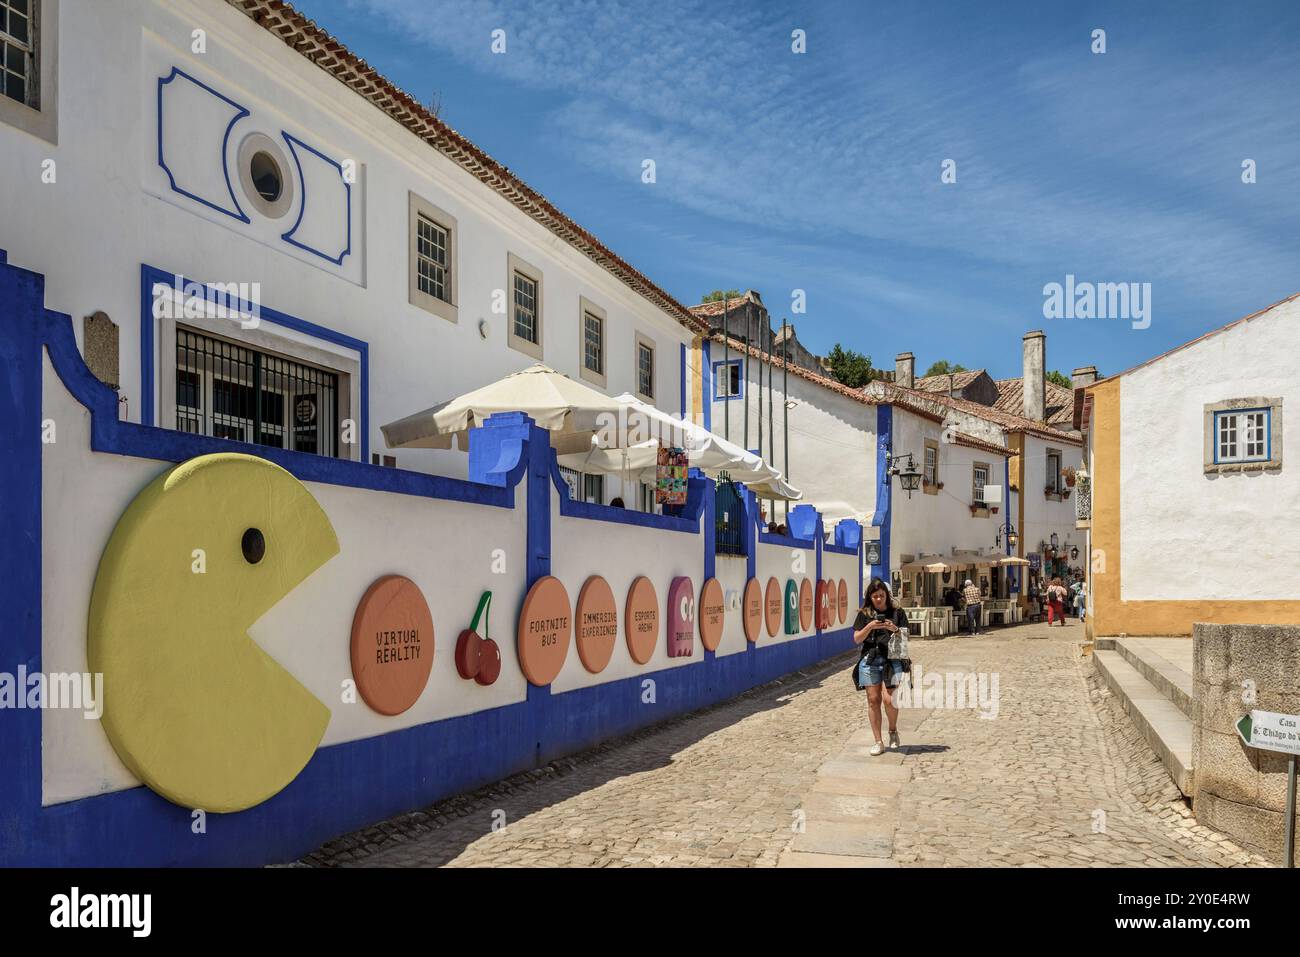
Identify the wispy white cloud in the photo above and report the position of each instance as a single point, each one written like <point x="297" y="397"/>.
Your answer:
<point x="1126" y="163"/>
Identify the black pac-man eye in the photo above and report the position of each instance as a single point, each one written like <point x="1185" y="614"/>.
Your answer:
<point x="254" y="545"/>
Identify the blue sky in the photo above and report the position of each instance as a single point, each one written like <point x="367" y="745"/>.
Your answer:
<point x="821" y="171"/>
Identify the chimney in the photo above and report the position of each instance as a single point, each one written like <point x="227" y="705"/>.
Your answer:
<point x="1083" y="377"/>
<point x="1033" y="383"/>
<point x="905" y="370"/>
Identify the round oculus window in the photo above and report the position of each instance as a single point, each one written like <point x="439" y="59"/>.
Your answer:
<point x="264" y="175"/>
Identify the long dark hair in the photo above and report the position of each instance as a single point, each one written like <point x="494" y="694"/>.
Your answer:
<point x="878" y="584"/>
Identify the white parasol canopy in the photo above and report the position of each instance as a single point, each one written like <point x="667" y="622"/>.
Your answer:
<point x="647" y="428"/>
<point x="570" y="410"/>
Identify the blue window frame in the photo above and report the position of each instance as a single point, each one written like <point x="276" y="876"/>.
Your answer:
<point x="728" y="381"/>
<point x="1243" y="435"/>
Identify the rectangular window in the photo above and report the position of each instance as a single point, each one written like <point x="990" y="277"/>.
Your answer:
<point x="432" y="258"/>
<point x="726" y="380"/>
<point x="593" y="489"/>
<point x="1243" y="436"/>
<point x="18" y="77"/>
<point x="1053" y="471"/>
<point x="645" y="368"/>
<point x="525" y="308"/>
<point x="646" y="497"/>
<point x="524" y="328"/>
<point x="593" y="343"/>
<point x="930" y="473"/>
<point x="981" y="479"/>
<point x="233" y="392"/>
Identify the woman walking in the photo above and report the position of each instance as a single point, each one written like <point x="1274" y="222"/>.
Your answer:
<point x="881" y="630"/>
<point x="1056" y="602"/>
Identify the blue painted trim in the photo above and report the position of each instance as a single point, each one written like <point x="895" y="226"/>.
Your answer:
<point x="151" y="275"/>
<point x="687" y="521"/>
<point x="344" y="786"/>
<point x="302" y="204"/>
<point x="836" y="549"/>
<point x="720" y="377"/>
<point x="1013" y="574"/>
<point x="883" y="517"/>
<point x="239" y="213"/>
<point x="706" y="388"/>
<point x="1268" y="435"/>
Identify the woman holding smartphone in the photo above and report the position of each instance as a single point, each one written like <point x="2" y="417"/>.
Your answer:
<point x="881" y="630"/>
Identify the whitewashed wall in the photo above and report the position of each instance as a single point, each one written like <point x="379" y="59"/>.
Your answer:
<point x="90" y="231"/>
<point x="730" y="573"/>
<point x="1045" y="516"/>
<point x="620" y="553"/>
<point x="938" y="524"/>
<point x="1240" y="543"/>
<point x="778" y="561"/>
<point x="444" y="547"/>
<point x="832" y="440"/>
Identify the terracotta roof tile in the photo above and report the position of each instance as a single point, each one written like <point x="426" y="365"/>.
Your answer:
<point x="939" y="383"/>
<point x="914" y="399"/>
<point x="1059" y="401"/>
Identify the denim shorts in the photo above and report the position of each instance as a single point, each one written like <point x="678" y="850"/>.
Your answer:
<point x="874" y="673"/>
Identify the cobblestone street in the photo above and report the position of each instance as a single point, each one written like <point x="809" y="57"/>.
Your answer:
<point x="779" y="776"/>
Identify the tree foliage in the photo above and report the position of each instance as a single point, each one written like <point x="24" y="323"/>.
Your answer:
<point x="1060" y="378"/>
<point x="720" y="294"/>
<point x="850" y="368"/>
<point x="944" y="367"/>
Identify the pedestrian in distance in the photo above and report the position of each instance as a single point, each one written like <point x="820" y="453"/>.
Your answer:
<point x="974" y="603"/>
<point x="881" y="630"/>
<point x="1056" y="602"/>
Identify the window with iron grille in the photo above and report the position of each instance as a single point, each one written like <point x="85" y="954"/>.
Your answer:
<point x="526" y="308"/>
<point x="645" y="369"/>
<point x="18" y="39"/>
<point x="593" y="351"/>
<point x="232" y="392"/>
<point x="431" y="258"/>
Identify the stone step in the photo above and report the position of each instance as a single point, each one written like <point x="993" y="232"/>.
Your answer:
<point x="1160" y="721"/>
<point x="1174" y="682"/>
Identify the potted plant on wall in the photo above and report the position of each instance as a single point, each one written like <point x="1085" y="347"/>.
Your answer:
<point x="1069" y="474"/>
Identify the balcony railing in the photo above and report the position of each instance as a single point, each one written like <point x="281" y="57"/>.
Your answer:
<point x="1083" y="503"/>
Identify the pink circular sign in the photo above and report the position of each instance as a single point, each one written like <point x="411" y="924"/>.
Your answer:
<point x="681" y="618"/>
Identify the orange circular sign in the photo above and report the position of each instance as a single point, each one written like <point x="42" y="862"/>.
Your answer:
<point x="844" y="601"/>
<point x="641" y="620"/>
<point x="595" y="622"/>
<point x="752" y="609"/>
<point x="772" y="605"/>
<point x="805" y="604"/>
<point x="392" y="644"/>
<point x="545" y="627"/>
<point x="712" y="614"/>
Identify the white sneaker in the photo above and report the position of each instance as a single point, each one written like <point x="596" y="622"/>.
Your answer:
<point x="877" y="748"/>
<point x="894" y="743"/>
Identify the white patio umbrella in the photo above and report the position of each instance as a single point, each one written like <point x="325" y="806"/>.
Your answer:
<point x="645" y="428"/>
<point x="571" y="411"/>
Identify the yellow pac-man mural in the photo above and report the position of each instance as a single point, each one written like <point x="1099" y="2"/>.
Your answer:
<point x="192" y="705"/>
